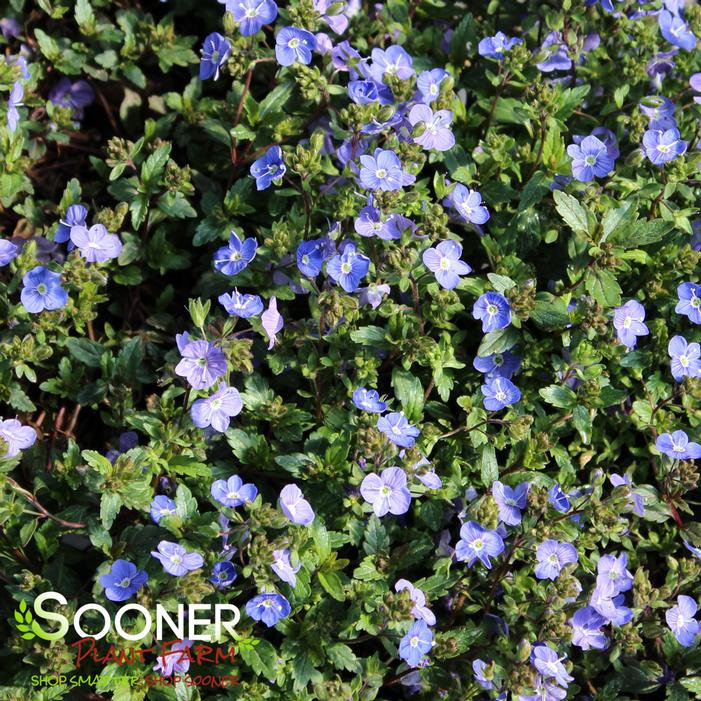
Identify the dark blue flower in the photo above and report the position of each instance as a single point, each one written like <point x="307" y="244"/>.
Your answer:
<point x="42" y="290"/>
<point x="416" y="643"/>
<point x="310" y="257"/>
<point x="498" y="364"/>
<point x="76" y="215"/>
<point x="368" y="400"/>
<point x="496" y="47"/>
<point x="269" y="168"/>
<point x="293" y="45"/>
<point x="268" y="608"/>
<point x="123" y="580"/>
<point x="510" y="501"/>
<point x="232" y="259"/>
<point x="494" y="311"/>
<point x="252" y="14"/>
<point x="363" y="92"/>
<point x="348" y="268"/>
<point x="223" y="574"/>
<point x="215" y="51"/>
<point x="499" y="393"/>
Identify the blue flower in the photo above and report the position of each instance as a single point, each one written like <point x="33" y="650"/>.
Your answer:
<point x="586" y="634"/>
<point x="590" y="159"/>
<point x="468" y="204"/>
<point x="678" y="446"/>
<point x="431" y="129"/>
<point x="76" y="215"/>
<point x="383" y="171"/>
<point x="202" y="364"/>
<point x="429" y="84"/>
<point x="498" y="364"/>
<point x="681" y="621"/>
<point x="612" y="575"/>
<point x="268" y="608"/>
<point x="558" y="499"/>
<point x="628" y="322"/>
<point x="8" y="252"/>
<point x="162" y="506"/>
<point x="215" y="51"/>
<point x="499" y="393"/>
<point x="553" y="53"/>
<point x="444" y="262"/>
<point x="510" y="501"/>
<point x="232" y="259"/>
<point x="496" y="47"/>
<point x="478" y="667"/>
<point x="42" y="290"/>
<point x="252" y="14"/>
<point x="368" y="400"/>
<point x="123" y="580"/>
<point x="477" y="543"/>
<point x="310" y="257"/>
<point x="494" y="311"/>
<point x="223" y="574"/>
<point x="13" y="102"/>
<point x="552" y="556"/>
<point x="397" y="428"/>
<point x="685" y="358"/>
<point x="549" y="664"/>
<point x="176" y="560"/>
<point x="416" y="643"/>
<point x="689" y="301"/>
<point x="244" y="306"/>
<point x="282" y="566"/>
<point x="348" y="268"/>
<point x="293" y="45"/>
<point x="676" y="31"/>
<point x="363" y="92"/>
<point x="663" y="146"/>
<point x="387" y="492"/>
<point x="233" y="492"/>
<point x="96" y="244"/>
<point x="269" y="168"/>
<point x="393" y="61"/>
<point x="217" y="409"/>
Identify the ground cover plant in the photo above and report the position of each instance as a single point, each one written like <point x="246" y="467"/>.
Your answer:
<point x="379" y="321"/>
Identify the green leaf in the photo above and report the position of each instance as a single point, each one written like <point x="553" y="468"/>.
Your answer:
<point x="561" y="397"/>
<point x="342" y="657"/>
<point x="636" y="234"/>
<point x="261" y="658"/>
<point x="489" y="470"/>
<point x="550" y="312"/>
<point x="86" y="351"/>
<point x="376" y="538"/>
<point x="332" y="583"/>
<point x="110" y="504"/>
<point x="84" y="15"/>
<point x="153" y="167"/>
<point x="498" y="341"/>
<point x="409" y="392"/>
<point x="574" y="215"/>
<point x="603" y="287"/>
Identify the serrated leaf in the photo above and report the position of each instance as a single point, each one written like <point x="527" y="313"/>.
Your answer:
<point x="574" y="215"/>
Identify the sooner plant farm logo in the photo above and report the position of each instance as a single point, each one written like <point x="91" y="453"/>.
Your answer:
<point x="192" y="621"/>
